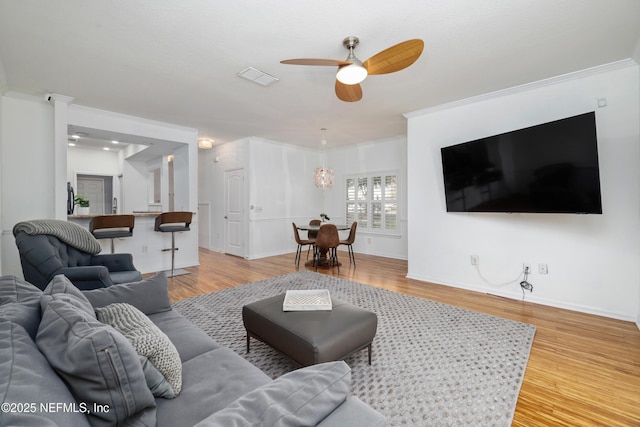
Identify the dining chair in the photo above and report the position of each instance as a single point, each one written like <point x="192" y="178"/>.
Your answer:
<point x="348" y="242"/>
<point x="312" y="234"/>
<point x="301" y="243"/>
<point x="327" y="245"/>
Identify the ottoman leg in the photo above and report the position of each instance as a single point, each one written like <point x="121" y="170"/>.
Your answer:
<point x="369" y="350"/>
<point x="249" y="339"/>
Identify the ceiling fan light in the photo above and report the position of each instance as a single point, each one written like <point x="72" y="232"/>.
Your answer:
<point x="352" y="74"/>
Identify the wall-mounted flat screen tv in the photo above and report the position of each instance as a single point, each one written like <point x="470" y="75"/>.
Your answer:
<point x="548" y="168"/>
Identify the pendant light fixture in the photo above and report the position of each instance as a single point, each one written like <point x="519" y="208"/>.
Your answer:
<point x="323" y="175"/>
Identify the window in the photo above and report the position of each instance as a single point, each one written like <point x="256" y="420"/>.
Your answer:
<point x="372" y="201"/>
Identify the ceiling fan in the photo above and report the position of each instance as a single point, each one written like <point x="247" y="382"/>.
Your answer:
<point x="352" y="71"/>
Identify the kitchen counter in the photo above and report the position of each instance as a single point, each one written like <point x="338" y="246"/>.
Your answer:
<point x="136" y="214"/>
<point x="147" y="245"/>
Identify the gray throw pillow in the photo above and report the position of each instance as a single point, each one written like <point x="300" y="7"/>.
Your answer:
<point x="61" y="288"/>
<point x="30" y="386"/>
<point x="20" y="303"/>
<point x="300" y="398"/>
<point x="149" y="295"/>
<point x="99" y="365"/>
<point x="149" y="341"/>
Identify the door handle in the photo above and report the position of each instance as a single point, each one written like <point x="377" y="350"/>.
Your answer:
<point x="225" y="217"/>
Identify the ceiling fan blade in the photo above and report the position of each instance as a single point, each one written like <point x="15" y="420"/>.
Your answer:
<point x="348" y="93"/>
<point x="395" y="58"/>
<point x="315" y="61"/>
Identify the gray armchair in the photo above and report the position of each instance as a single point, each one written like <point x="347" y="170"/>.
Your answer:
<point x="51" y="247"/>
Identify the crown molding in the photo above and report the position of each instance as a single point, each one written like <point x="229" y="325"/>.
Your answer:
<point x="625" y="63"/>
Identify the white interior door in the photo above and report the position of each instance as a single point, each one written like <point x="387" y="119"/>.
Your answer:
<point x="234" y="212"/>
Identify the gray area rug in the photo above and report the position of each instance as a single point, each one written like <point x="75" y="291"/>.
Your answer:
<point x="433" y="364"/>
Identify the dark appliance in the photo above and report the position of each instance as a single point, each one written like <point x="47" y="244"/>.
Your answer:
<point x="70" y="199"/>
<point x="547" y="168"/>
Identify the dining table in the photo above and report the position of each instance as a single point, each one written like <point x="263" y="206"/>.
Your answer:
<point x="322" y="262"/>
<point x="340" y="227"/>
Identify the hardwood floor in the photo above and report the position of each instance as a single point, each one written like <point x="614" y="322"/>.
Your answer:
<point x="584" y="370"/>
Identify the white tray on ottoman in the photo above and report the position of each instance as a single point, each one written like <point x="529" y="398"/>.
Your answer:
<point x="307" y="300"/>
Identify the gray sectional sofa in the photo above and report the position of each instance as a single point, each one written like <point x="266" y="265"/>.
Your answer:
<point x="66" y="367"/>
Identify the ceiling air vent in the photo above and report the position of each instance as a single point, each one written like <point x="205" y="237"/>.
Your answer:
<point x="257" y="76"/>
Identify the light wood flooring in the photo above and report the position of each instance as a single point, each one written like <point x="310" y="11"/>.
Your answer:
<point x="584" y="370"/>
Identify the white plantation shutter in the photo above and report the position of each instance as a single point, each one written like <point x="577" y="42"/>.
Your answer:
<point x="372" y="200"/>
<point x="350" y="214"/>
<point x="391" y="202"/>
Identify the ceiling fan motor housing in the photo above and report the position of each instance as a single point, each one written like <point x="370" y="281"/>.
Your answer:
<point x="351" y="42"/>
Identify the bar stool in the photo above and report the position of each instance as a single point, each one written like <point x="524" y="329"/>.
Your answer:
<point x="170" y="222"/>
<point x="112" y="227"/>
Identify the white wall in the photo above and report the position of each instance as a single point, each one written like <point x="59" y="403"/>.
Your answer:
<point x="29" y="178"/>
<point x="2" y="85"/>
<point x="27" y="169"/>
<point x="211" y="167"/>
<point x="279" y="190"/>
<point x="636" y="58"/>
<point x="186" y="157"/>
<point x="185" y="176"/>
<point x="592" y="259"/>
<point x="370" y="157"/>
<point x="135" y="183"/>
<point x="93" y="162"/>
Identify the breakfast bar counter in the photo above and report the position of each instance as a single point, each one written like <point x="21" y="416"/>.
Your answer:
<point x="146" y="245"/>
<point x="136" y="214"/>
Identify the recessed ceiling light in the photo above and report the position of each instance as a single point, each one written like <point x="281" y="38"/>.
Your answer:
<point x="105" y="148"/>
<point x="115" y="142"/>
<point x="75" y="136"/>
<point x="72" y="144"/>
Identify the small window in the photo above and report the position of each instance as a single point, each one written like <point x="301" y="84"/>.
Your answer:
<point x="372" y="201"/>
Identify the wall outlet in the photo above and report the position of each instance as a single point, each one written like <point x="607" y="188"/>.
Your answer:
<point x="526" y="267"/>
<point x="475" y="260"/>
<point x="145" y="249"/>
<point x="543" y="269"/>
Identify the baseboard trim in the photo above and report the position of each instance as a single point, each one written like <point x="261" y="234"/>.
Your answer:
<point x="517" y="295"/>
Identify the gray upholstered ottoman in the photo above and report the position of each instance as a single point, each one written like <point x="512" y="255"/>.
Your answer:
<point x="310" y="337"/>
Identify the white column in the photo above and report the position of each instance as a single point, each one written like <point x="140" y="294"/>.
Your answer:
<point x="60" y="121"/>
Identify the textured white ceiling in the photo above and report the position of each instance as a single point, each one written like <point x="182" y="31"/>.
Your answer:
<point x="177" y="60"/>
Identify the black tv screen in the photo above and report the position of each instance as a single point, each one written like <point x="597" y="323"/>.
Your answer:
<point x="548" y="168"/>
